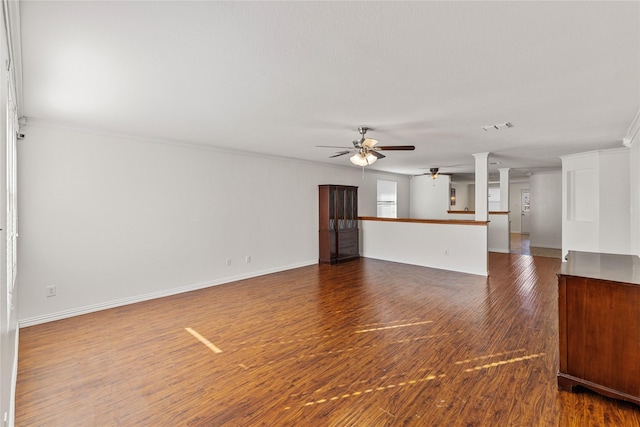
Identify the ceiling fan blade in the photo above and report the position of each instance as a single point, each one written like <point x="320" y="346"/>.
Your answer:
<point x="369" y="142"/>
<point x="378" y="155"/>
<point x="396" y="147"/>
<point x="342" y="153"/>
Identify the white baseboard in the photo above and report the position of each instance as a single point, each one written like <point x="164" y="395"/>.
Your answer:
<point x="545" y="245"/>
<point x="36" y="320"/>
<point x="500" y="250"/>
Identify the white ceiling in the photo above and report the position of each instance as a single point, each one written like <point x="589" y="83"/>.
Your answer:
<point x="280" y="78"/>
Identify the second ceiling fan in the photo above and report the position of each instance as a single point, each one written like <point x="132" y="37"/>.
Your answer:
<point x="366" y="151"/>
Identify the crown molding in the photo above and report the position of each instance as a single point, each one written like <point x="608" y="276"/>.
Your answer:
<point x="593" y="153"/>
<point x="632" y="133"/>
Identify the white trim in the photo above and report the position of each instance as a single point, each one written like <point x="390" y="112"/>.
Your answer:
<point x="605" y="151"/>
<point x="160" y="294"/>
<point x="614" y="151"/>
<point x="632" y="133"/>
<point x="498" y="250"/>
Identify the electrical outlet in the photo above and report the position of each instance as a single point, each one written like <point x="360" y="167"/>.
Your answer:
<point x="247" y="259"/>
<point x="228" y="262"/>
<point x="446" y="251"/>
<point x="51" y="291"/>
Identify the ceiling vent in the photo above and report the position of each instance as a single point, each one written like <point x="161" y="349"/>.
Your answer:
<point x="498" y="126"/>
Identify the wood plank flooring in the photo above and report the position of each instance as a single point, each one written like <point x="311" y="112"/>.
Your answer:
<point x="520" y="245"/>
<point x="365" y="343"/>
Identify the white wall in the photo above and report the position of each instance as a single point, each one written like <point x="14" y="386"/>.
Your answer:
<point x="429" y="198"/>
<point x="596" y="203"/>
<point x="499" y="238"/>
<point x="498" y="233"/>
<point x="546" y="210"/>
<point x="110" y="220"/>
<point x="615" y="204"/>
<point x="580" y="232"/>
<point x="634" y="199"/>
<point x="456" y="247"/>
<point x="472" y="197"/>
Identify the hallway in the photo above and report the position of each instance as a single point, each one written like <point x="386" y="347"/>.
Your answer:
<point x="520" y="245"/>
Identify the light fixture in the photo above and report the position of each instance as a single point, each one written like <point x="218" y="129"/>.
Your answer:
<point x="363" y="158"/>
<point x="434" y="172"/>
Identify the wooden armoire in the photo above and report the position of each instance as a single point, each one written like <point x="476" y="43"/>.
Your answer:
<point x="338" y="223"/>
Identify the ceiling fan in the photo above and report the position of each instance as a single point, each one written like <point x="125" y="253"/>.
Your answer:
<point x="434" y="172"/>
<point x="365" y="150"/>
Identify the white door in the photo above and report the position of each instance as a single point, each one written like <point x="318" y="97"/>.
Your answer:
<point x="525" y="208"/>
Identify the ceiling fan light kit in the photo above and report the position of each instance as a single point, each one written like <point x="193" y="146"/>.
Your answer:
<point x="365" y="150"/>
<point x="363" y="159"/>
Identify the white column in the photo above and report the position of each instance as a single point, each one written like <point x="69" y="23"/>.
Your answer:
<point x="482" y="186"/>
<point x="504" y="189"/>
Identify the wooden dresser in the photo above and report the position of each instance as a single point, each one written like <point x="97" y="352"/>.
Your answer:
<point x="338" y="226"/>
<point x="599" y="324"/>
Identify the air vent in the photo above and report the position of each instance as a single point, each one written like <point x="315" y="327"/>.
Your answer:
<point x="498" y="126"/>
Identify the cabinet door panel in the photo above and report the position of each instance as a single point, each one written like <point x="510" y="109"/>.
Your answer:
<point x="347" y="243"/>
<point x="603" y="333"/>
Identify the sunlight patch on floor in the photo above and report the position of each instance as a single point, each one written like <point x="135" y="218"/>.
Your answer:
<point x="203" y="340"/>
<point x="372" y="390"/>
<point x="382" y="328"/>
<point x="504" y="362"/>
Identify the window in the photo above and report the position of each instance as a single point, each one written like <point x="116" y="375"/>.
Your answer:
<point x="387" y="199"/>
<point x="494" y="199"/>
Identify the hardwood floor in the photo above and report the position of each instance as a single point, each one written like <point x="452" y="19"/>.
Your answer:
<point x="520" y="245"/>
<point x="365" y="343"/>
